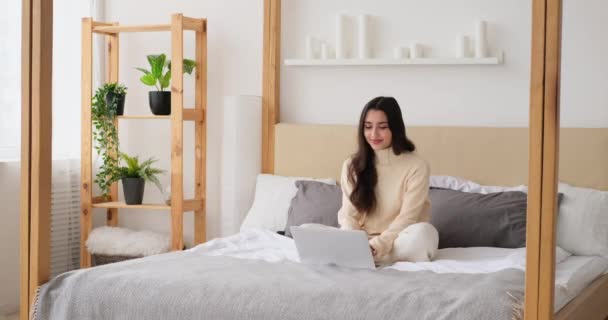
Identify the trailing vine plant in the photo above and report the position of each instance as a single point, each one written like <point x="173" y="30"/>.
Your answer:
<point x="105" y="138"/>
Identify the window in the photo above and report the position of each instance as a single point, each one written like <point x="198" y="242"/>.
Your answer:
<point x="10" y="80"/>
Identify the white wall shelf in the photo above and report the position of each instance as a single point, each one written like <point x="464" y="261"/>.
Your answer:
<point x="394" y="62"/>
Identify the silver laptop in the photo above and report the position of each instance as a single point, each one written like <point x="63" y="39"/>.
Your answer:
<point x="346" y="248"/>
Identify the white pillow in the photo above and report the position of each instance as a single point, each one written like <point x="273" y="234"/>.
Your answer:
<point x="271" y="203"/>
<point x="582" y="224"/>
<point x="518" y="257"/>
<point x="464" y="185"/>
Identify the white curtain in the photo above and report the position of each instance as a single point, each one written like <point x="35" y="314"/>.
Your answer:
<point x="65" y="197"/>
<point x="10" y="80"/>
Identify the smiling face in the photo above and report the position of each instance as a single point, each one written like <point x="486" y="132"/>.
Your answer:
<point x="376" y="130"/>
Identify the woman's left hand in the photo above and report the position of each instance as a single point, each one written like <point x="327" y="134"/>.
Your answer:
<point x="379" y="249"/>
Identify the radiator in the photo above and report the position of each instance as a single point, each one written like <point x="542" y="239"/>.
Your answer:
<point x="65" y="216"/>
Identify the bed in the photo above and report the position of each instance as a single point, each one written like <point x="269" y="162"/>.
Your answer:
<point x="144" y="295"/>
<point x="491" y="156"/>
<point x="255" y="274"/>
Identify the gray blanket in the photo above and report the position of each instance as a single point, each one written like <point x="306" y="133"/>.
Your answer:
<point x="185" y="285"/>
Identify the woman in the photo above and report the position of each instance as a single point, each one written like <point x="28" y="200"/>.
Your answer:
<point x="385" y="188"/>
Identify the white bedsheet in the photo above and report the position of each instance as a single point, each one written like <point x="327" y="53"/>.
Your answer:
<point x="573" y="273"/>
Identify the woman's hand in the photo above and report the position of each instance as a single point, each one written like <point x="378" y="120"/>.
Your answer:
<point x="379" y="248"/>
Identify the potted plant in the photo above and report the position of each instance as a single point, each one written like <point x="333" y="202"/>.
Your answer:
<point x="105" y="138"/>
<point x="115" y="97"/>
<point x="160" y="100"/>
<point x="134" y="177"/>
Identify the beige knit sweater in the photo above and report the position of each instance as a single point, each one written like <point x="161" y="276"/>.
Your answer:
<point x="401" y="198"/>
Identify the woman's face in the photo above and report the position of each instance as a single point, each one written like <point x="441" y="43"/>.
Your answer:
<point x="376" y="130"/>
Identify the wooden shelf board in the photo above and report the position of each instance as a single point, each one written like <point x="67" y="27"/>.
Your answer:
<point x="189" y="114"/>
<point x="136" y="28"/>
<point x="122" y="205"/>
<point x="101" y="24"/>
<point x="189" y="205"/>
<point x="143" y="117"/>
<point x="197" y="25"/>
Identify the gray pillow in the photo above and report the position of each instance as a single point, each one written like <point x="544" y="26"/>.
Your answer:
<point x="479" y="220"/>
<point x="315" y="202"/>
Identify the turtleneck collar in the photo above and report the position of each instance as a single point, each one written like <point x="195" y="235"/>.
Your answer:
<point x="385" y="156"/>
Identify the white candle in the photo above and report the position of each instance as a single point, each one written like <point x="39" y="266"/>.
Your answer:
<point x="310" y="50"/>
<point x="341" y="37"/>
<point x="324" y="51"/>
<point x="400" y="53"/>
<point x="462" y="46"/>
<point x="415" y="50"/>
<point x="481" y="50"/>
<point x="363" y="41"/>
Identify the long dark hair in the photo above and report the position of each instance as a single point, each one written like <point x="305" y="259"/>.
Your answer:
<point x="362" y="173"/>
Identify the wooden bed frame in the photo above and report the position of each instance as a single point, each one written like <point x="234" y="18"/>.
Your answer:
<point x="543" y="135"/>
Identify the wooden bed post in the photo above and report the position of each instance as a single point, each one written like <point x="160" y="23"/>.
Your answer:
<point x="543" y="163"/>
<point x="270" y="80"/>
<point x="112" y="76"/>
<point x="177" y="129"/>
<point x="36" y="150"/>
<point x="86" y="155"/>
<point x="200" y="133"/>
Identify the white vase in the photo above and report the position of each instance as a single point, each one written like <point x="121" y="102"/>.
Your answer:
<point x="167" y="195"/>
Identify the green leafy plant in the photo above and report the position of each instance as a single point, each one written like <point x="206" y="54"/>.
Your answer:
<point x="105" y="137"/>
<point x="114" y="92"/>
<point x="135" y="169"/>
<point x="116" y="88"/>
<point x="157" y="76"/>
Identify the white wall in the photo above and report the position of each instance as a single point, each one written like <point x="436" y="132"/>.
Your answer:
<point x="235" y="67"/>
<point x="584" y="98"/>
<point x="429" y="95"/>
<point x="67" y="49"/>
<point x="443" y="95"/>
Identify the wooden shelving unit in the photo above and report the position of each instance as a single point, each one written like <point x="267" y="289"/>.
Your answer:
<point x="179" y="114"/>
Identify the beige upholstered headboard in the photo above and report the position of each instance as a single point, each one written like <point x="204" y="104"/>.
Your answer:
<point x="490" y="156"/>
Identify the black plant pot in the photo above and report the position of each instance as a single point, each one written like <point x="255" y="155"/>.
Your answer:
<point x="133" y="189"/>
<point x="160" y="102"/>
<point x="120" y="102"/>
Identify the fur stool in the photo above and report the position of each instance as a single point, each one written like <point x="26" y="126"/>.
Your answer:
<point x="112" y="244"/>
